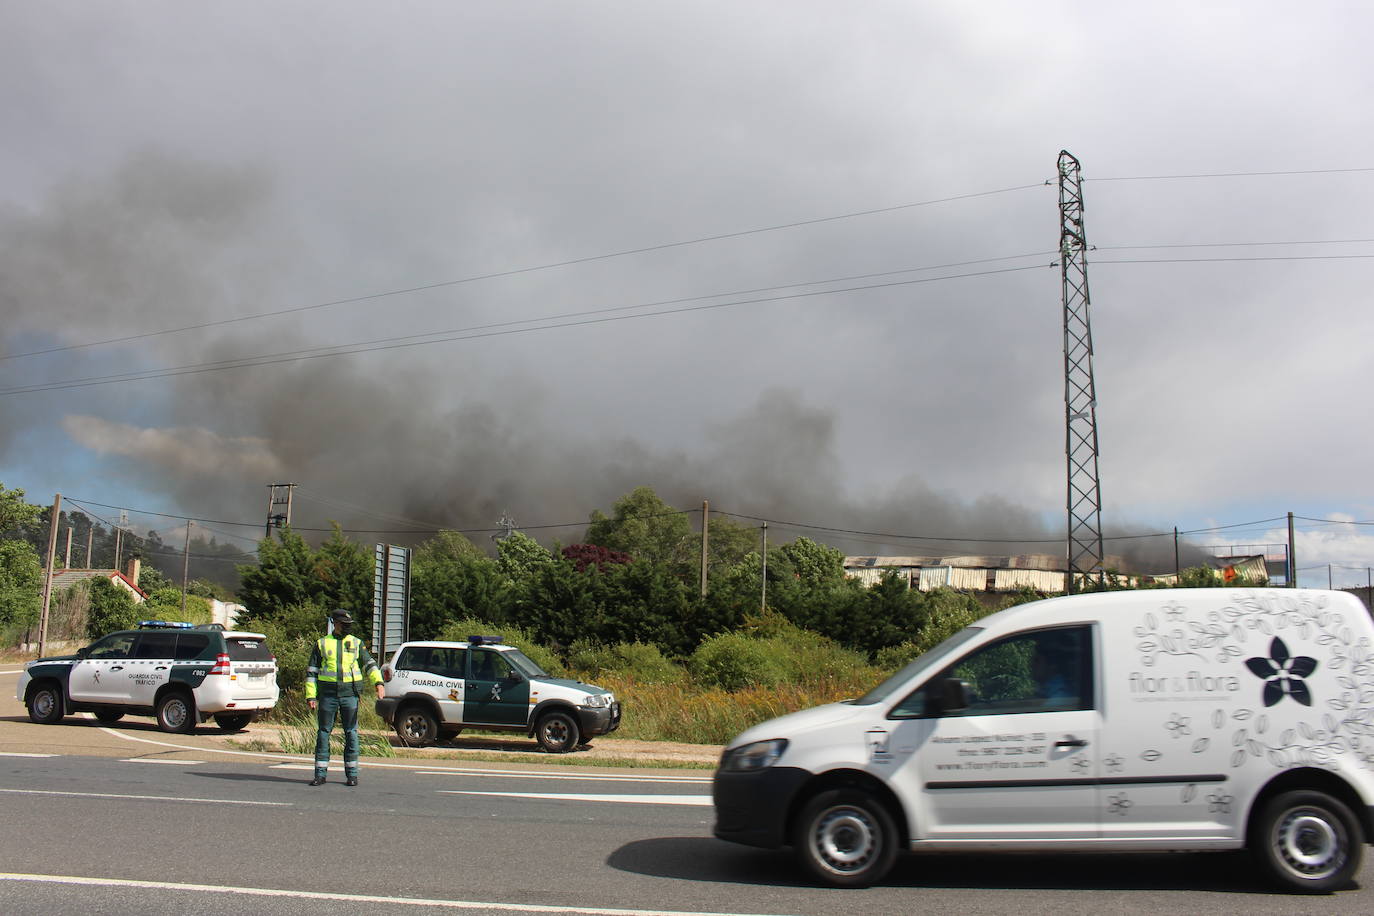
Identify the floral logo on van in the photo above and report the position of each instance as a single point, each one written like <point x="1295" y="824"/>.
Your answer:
<point x="1283" y="674"/>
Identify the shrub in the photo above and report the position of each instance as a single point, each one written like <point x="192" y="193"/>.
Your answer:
<point x="638" y="662"/>
<point x="733" y="661"/>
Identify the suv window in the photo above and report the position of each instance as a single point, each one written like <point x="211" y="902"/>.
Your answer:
<point x="488" y="665"/>
<point x="190" y="646"/>
<point x="116" y="645"/>
<point x="155" y="645"/>
<point x="445" y="661"/>
<point x="1039" y="671"/>
<point x="248" y="649"/>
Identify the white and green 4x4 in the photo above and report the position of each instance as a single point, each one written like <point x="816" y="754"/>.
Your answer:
<point x="436" y="689"/>
<point x="180" y="673"/>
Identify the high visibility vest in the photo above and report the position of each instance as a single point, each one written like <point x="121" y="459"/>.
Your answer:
<point x="338" y="663"/>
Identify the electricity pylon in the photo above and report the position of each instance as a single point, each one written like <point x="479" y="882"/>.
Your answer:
<point x="1084" y="498"/>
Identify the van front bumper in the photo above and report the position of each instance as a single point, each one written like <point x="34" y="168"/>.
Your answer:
<point x="751" y="808"/>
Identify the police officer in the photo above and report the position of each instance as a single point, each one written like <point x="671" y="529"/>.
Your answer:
<point x="333" y="680"/>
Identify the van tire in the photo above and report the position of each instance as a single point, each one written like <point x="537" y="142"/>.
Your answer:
<point x="45" y="704"/>
<point x="176" y="712"/>
<point x="416" y="726"/>
<point x="846" y="838"/>
<point x="1307" y="842"/>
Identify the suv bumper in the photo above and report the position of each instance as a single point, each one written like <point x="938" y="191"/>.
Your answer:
<point x="600" y="721"/>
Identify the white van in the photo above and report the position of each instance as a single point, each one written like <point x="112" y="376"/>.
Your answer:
<point x="1183" y="719"/>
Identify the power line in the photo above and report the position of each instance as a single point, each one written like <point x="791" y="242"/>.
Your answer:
<point x="526" y="270"/>
<point x="1233" y="174"/>
<point x="457" y="335"/>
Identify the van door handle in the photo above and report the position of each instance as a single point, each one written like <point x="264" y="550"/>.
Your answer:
<point x="117" y="668"/>
<point x="160" y="668"/>
<point x="1071" y="741"/>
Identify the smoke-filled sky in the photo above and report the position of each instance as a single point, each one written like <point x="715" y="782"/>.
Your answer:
<point x="795" y="258"/>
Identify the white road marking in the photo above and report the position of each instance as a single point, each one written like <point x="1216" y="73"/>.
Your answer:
<point x="203" y="801"/>
<point x="180" y="763"/>
<point x="699" y="801"/>
<point x="16" y="754"/>
<point x="526" y="774"/>
<point x="15" y="671"/>
<point x="352" y="898"/>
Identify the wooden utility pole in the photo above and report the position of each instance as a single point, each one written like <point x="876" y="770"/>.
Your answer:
<point x="1292" y="556"/>
<point x="47" y="579"/>
<point x="763" y="579"/>
<point x="705" y="526"/>
<point x="185" y="567"/>
<point x="90" y="544"/>
<point x="67" y="561"/>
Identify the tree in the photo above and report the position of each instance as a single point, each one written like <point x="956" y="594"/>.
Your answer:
<point x="520" y="558"/>
<point x="16" y="515"/>
<point x="345" y="571"/>
<point x="646" y="528"/>
<point x="112" y="608"/>
<point x="451" y="579"/>
<point x="584" y="555"/>
<point x="21" y="586"/>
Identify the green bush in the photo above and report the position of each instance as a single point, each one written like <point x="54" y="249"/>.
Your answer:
<point x="112" y="608"/>
<point x="639" y="662"/>
<point x="733" y="661"/>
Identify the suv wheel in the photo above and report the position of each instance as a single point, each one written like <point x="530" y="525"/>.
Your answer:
<point x="45" y="704"/>
<point x="234" y="723"/>
<point x="176" y="713"/>
<point x="557" y="732"/>
<point x="108" y="716"/>
<point x="416" y="727"/>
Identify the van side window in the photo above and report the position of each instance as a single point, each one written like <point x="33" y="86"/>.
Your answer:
<point x="155" y="645"/>
<point x="1040" y="671"/>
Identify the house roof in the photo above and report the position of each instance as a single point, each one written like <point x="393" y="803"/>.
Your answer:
<point x="66" y="578"/>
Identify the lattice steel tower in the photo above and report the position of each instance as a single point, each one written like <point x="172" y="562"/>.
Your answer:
<point x="1080" y="394"/>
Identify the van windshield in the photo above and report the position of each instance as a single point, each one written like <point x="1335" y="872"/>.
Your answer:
<point x="917" y="665"/>
<point x="525" y="665"/>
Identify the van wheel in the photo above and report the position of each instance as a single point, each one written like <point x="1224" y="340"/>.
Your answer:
<point x="176" y="713"/>
<point x="416" y="727"/>
<point x="234" y="723"/>
<point x="1307" y="842"/>
<point x="45" y="705"/>
<point x="846" y="838"/>
<point x="108" y="716"/>
<point x="557" y="732"/>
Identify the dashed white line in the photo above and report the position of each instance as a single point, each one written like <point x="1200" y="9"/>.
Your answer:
<point x="175" y="798"/>
<point x="352" y="898"/>
<point x="17" y="754"/>
<point x="180" y="763"/>
<point x="696" y="801"/>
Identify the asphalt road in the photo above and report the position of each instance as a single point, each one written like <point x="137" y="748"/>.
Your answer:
<point x="126" y="819"/>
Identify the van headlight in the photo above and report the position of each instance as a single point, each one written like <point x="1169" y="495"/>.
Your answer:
<point x="598" y="701"/>
<point x="749" y="758"/>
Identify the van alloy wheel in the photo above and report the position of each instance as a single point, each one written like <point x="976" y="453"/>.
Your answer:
<point x="45" y="705"/>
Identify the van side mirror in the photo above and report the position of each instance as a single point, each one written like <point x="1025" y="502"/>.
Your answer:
<point x="83" y="651"/>
<point x="953" y="695"/>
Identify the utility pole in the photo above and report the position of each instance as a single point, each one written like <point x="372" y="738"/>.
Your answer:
<point x="1084" y="494"/>
<point x="278" y="495"/>
<point x="90" y="546"/>
<point x="47" y="579"/>
<point x="763" y="579"/>
<point x="705" y="525"/>
<point x="67" y="561"/>
<point x="1292" y="556"/>
<point x="1177" y="572"/>
<point x="185" y="567"/>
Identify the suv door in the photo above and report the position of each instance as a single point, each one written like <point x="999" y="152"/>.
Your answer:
<point x="102" y="676"/>
<point x="1021" y="761"/>
<point x="494" y="692"/>
<point x="151" y="665"/>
